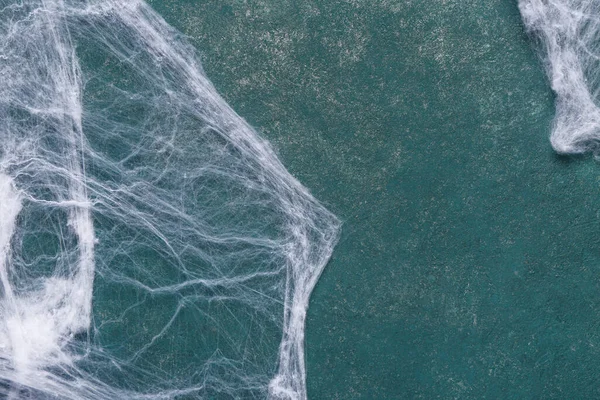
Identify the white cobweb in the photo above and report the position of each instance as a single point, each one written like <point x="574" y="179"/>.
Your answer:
<point x="569" y="34"/>
<point x="151" y="243"/>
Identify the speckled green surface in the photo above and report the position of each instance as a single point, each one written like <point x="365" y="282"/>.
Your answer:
<point x="469" y="265"/>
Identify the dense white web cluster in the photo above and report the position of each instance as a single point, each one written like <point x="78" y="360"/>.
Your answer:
<point x="151" y="243"/>
<point x="569" y="32"/>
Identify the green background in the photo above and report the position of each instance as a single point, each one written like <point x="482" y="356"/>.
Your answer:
<point x="468" y="265"/>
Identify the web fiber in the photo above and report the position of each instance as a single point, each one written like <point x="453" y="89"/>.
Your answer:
<point x="151" y="243"/>
<point x="569" y="34"/>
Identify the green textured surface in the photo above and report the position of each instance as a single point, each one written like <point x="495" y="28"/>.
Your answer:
<point x="469" y="263"/>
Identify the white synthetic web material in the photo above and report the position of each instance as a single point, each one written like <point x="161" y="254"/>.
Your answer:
<point x="569" y="31"/>
<point x="118" y="160"/>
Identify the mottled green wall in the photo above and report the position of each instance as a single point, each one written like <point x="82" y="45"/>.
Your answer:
<point x="469" y="263"/>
